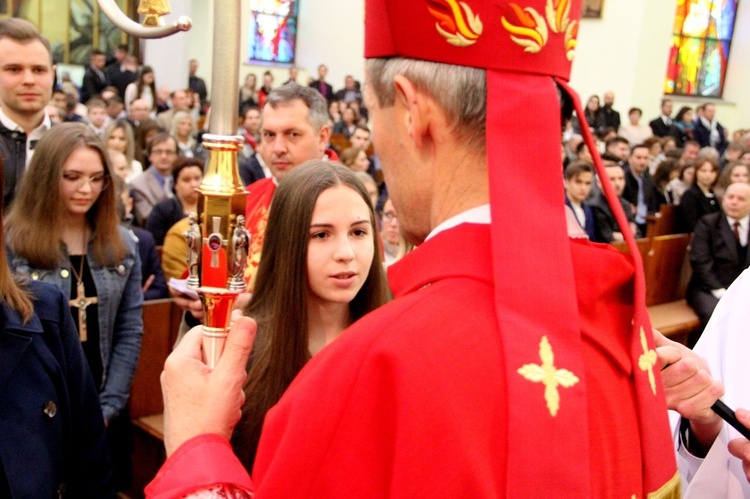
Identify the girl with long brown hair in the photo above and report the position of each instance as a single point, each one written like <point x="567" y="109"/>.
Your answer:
<point x="319" y="273"/>
<point x="51" y="423"/>
<point x="63" y="228"/>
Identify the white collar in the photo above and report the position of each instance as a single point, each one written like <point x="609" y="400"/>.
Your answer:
<point x="8" y="123"/>
<point x="479" y="215"/>
<point x="743" y="221"/>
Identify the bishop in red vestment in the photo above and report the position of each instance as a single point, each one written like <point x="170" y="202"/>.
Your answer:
<point x="513" y="361"/>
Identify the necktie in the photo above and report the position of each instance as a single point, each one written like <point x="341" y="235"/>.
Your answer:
<point x="737" y="230"/>
<point x="168" y="186"/>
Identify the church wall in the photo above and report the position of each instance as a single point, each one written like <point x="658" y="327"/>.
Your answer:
<point x="626" y="51"/>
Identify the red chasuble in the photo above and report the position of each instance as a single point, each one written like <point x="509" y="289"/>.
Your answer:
<point x="256" y="219"/>
<point x="412" y="400"/>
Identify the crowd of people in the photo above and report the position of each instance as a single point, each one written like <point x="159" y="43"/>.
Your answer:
<point x="119" y="161"/>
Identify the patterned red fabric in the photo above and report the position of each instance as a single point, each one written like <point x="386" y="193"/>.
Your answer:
<point x="258" y="201"/>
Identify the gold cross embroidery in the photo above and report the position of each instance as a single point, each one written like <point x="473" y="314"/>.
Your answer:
<point x="549" y="375"/>
<point x="647" y="361"/>
<point x="81" y="302"/>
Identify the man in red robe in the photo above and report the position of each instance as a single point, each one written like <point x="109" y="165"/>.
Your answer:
<point x="513" y="362"/>
<point x="294" y="130"/>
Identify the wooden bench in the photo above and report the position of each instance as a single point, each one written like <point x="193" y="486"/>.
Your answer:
<point x="666" y="269"/>
<point x="161" y="322"/>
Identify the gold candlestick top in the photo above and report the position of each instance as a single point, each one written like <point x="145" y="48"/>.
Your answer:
<point x="153" y="10"/>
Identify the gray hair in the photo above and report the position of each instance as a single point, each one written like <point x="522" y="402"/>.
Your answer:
<point x="317" y="106"/>
<point x="461" y="91"/>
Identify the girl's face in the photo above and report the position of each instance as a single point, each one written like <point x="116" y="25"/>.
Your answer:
<point x="148" y="78"/>
<point x="745" y="158"/>
<point x="390" y="223"/>
<point x="688" y="175"/>
<point x="117" y="140"/>
<point x="669" y="145"/>
<point x="187" y="184"/>
<point x="184" y="127"/>
<point x="361" y="163"/>
<point x="250" y="81"/>
<point x="83" y="180"/>
<point x="120" y="165"/>
<point x="593" y="103"/>
<point x="706" y="175"/>
<point x="655" y="149"/>
<point x="740" y="173"/>
<point x="675" y="173"/>
<point x="688" y="117"/>
<point x="341" y="247"/>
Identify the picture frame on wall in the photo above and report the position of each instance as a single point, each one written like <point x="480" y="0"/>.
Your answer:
<point x="592" y="9"/>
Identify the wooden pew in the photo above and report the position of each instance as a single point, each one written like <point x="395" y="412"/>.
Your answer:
<point x="161" y="322"/>
<point x="665" y="267"/>
<point x="664" y="222"/>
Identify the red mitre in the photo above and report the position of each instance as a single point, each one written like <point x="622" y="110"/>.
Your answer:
<point x="527" y="49"/>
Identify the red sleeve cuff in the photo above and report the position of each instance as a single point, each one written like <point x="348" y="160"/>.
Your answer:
<point x="201" y="462"/>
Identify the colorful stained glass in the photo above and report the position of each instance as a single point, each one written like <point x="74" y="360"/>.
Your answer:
<point x="272" y="31"/>
<point x="700" y="47"/>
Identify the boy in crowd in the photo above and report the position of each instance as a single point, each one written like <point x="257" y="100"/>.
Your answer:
<point x="578" y="178"/>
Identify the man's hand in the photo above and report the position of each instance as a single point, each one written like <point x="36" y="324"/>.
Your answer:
<point x="740" y="447"/>
<point x="689" y="388"/>
<point x="199" y="400"/>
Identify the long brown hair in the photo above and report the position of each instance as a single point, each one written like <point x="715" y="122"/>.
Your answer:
<point x="13" y="294"/>
<point x="37" y="213"/>
<point x="279" y="304"/>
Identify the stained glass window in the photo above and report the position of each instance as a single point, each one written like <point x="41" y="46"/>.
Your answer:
<point x="701" y="40"/>
<point x="273" y="31"/>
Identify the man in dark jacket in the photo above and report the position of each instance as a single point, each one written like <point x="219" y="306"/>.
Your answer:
<point x="94" y="80"/>
<point x="718" y="253"/>
<point x="607" y="230"/>
<point x="26" y="79"/>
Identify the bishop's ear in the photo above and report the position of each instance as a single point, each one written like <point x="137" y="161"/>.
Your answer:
<point x="410" y="107"/>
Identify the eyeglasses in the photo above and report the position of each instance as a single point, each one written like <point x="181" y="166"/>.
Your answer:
<point x="97" y="182"/>
<point x="388" y="216"/>
<point x="168" y="152"/>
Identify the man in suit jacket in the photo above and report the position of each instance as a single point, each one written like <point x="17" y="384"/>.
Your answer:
<point x="709" y="132"/>
<point x="606" y="229"/>
<point x="252" y="169"/>
<point x="122" y="75"/>
<point x="578" y="178"/>
<point x="155" y="184"/>
<point x="718" y="253"/>
<point x="94" y="80"/>
<point x="663" y="126"/>
<point x="320" y="84"/>
<point x="640" y="189"/>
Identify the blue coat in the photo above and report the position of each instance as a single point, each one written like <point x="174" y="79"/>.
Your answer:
<point x="120" y="316"/>
<point x="52" y="435"/>
<point x="590" y="226"/>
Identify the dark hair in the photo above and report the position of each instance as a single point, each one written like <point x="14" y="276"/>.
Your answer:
<point x="608" y="156"/>
<point x="726" y="174"/>
<point x="639" y="146"/>
<point x="664" y="170"/>
<point x="682" y="112"/>
<point x="685" y="167"/>
<point x="651" y="141"/>
<point x="617" y="140"/>
<point x="181" y="163"/>
<point x="576" y="168"/>
<point x="636" y="110"/>
<point x="697" y="163"/>
<point x="279" y="302"/>
<point x="35" y="221"/>
<point x="139" y="85"/>
<point x="96" y="52"/>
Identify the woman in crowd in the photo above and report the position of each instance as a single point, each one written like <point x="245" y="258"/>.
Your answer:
<point x="319" y="273"/>
<point x="678" y="186"/>
<point x="635" y="132"/>
<point x="591" y="113"/>
<point x="668" y="144"/>
<point x="666" y="172"/>
<point x="187" y="174"/>
<point x="683" y="121"/>
<point x="356" y="159"/>
<point x="249" y="92"/>
<point x="51" y="423"/>
<point x="144" y="87"/>
<point x="735" y="171"/>
<point x="147" y="130"/>
<point x="71" y="237"/>
<point x="119" y="137"/>
<point x="700" y="200"/>
<point x="250" y="131"/>
<point x="370" y="186"/>
<point x="348" y="123"/>
<point x="184" y="130"/>
<point x="655" y="153"/>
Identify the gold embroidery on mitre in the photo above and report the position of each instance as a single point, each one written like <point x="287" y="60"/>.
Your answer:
<point x="153" y="10"/>
<point x="530" y="31"/>
<point x="549" y="376"/>
<point x="647" y="361"/>
<point x="571" y="40"/>
<point x="558" y="15"/>
<point x="457" y="23"/>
